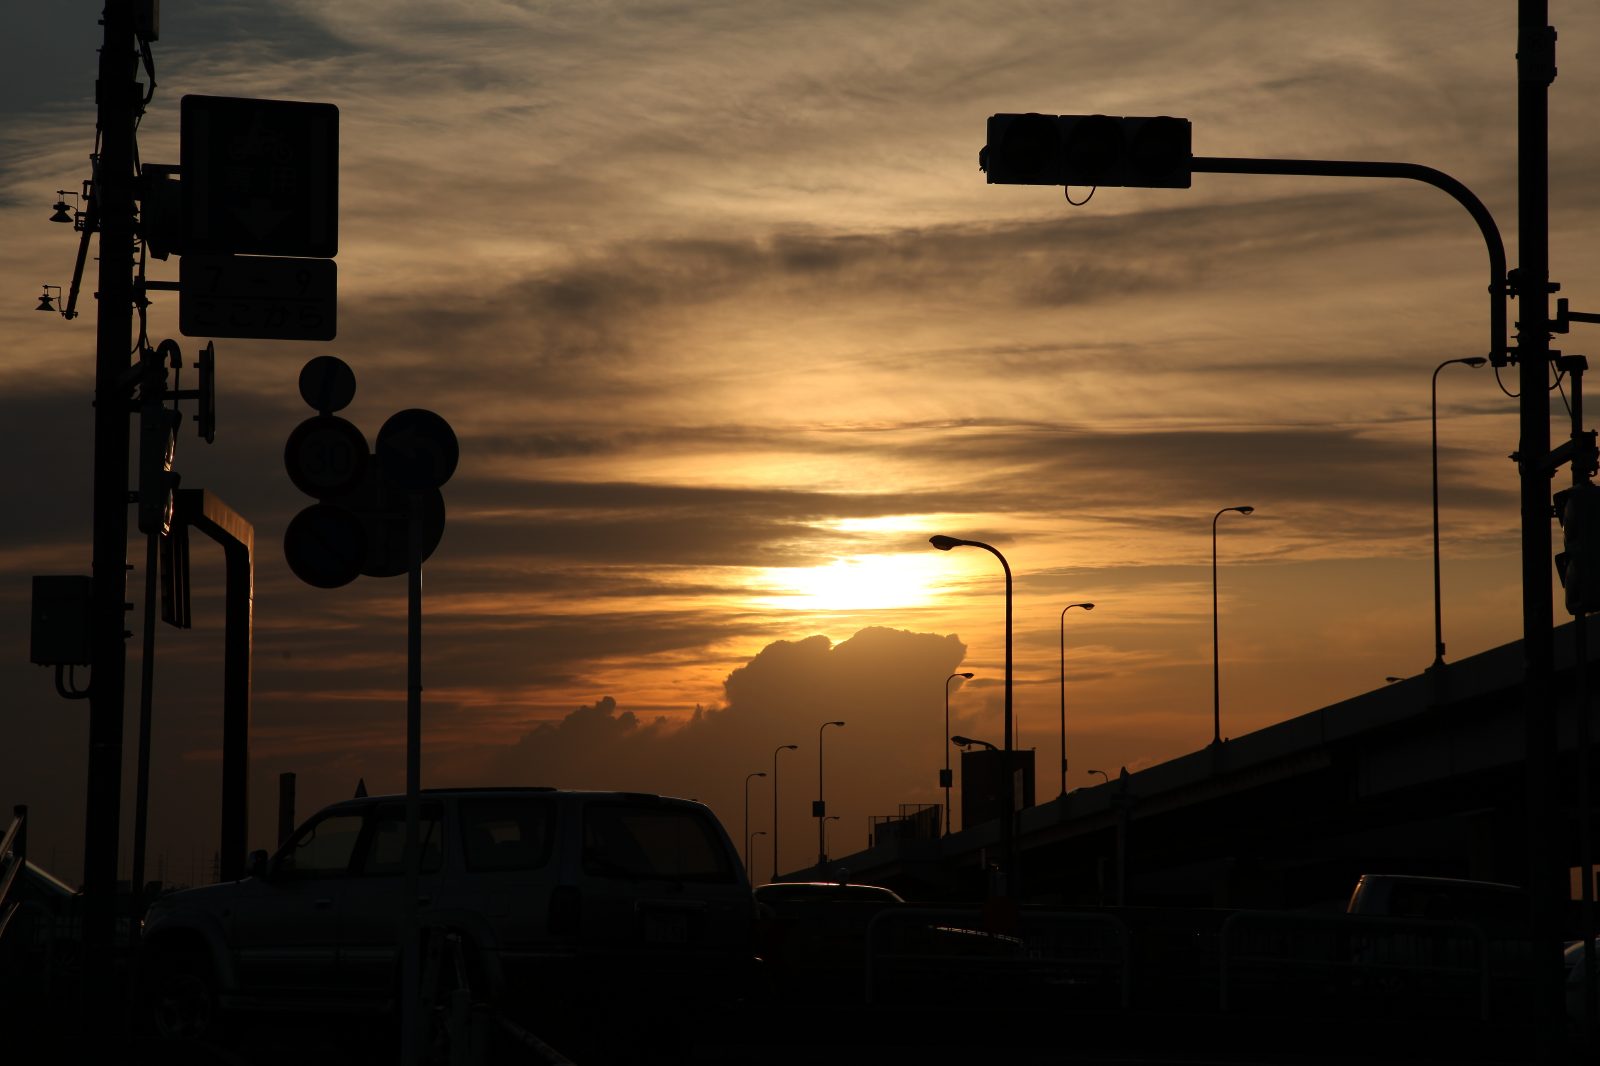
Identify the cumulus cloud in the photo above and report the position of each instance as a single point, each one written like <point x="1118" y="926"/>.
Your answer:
<point x="886" y="684"/>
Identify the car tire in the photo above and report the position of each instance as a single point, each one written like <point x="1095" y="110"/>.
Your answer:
<point x="181" y="997"/>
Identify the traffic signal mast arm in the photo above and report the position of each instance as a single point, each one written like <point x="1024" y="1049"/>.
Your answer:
<point x="1344" y="168"/>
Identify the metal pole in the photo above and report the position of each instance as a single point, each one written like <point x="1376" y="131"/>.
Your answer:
<point x="113" y="195"/>
<point x="775" y="751"/>
<point x="1536" y="69"/>
<point x="1008" y="827"/>
<point x="947" y="777"/>
<point x="747" y="777"/>
<point x="1438" y="610"/>
<point x="1580" y="661"/>
<point x="410" y="969"/>
<point x="822" y="806"/>
<point x="1216" y="655"/>
<point x="141" y="788"/>
<point x="1064" y="610"/>
<point x="1352" y="168"/>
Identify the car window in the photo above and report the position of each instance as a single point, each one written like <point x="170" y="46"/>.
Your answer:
<point x="507" y="834"/>
<point x="639" y="841"/>
<point x="386" y="848"/>
<point x="323" y="848"/>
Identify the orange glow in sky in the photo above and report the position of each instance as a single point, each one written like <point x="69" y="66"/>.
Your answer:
<point x="728" y="323"/>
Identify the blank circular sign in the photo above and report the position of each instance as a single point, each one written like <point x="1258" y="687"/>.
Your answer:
<point x="328" y="384"/>
<point x="325" y="546"/>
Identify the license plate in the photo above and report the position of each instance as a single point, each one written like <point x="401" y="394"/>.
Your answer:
<point x="666" y="927"/>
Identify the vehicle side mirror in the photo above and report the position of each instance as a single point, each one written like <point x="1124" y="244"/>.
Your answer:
<point x="257" y="864"/>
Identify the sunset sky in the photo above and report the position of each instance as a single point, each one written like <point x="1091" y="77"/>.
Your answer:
<point x="728" y="323"/>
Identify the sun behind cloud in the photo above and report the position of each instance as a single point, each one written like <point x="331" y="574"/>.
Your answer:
<point x="852" y="583"/>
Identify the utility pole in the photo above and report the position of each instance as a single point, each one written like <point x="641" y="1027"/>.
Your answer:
<point x="1536" y="69"/>
<point x="117" y="101"/>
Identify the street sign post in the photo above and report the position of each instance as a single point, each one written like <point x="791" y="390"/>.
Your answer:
<point x="260" y="177"/>
<point x="263" y="297"/>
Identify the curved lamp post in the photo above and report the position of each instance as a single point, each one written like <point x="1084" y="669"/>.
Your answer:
<point x="820" y="812"/>
<point x="750" y="844"/>
<point x="1008" y="843"/>
<point x="946" y="776"/>
<point x="1438" y="616"/>
<point x="780" y="747"/>
<point x="747" y="777"/>
<point x="1064" y="610"/>
<point x="1216" y="669"/>
<point x="1103" y="774"/>
<point x="944" y="544"/>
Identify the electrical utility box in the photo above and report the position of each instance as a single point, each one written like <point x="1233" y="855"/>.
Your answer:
<point x="986" y="786"/>
<point x="61" y="613"/>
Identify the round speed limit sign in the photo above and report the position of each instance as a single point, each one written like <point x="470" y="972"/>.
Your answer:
<point x="325" y="456"/>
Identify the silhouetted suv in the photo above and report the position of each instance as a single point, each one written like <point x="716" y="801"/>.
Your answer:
<point x="547" y="889"/>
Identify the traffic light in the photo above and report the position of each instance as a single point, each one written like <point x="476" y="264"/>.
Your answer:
<point x="1578" y="508"/>
<point x="1032" y="149"/>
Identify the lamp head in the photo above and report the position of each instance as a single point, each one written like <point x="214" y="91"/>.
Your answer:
<point x="1475" y="361"/>
<point x="760" y="773"/>
<point x="60" y="208"/>
<point x="44" y="303"/>
<point x="836" y="723"/>
<point x="1246" y="509"/>
<point x="962" y="742"/>
<point x="967" y="674"/>
<point x="790" y="747"/>
<point x="944" y="543"/>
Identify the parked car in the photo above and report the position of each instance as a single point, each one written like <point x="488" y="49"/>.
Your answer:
<point x="548" y="891"/>
<point x="1488" y="904"/>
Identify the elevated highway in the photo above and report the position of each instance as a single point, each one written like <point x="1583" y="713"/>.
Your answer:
<point x="1425" y="776"/>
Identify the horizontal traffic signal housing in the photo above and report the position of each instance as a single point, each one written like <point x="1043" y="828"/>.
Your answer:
<point x="1032" y="149"/>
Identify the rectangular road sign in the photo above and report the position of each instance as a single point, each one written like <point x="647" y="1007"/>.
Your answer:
<point x="260" y="177"/>
<point x="263" y="297"/>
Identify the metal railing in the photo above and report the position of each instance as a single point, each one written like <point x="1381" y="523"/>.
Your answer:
<point x="946" y="954"/>
<point x="13" y="859"/>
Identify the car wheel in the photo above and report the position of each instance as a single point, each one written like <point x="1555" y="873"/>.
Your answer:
<point x="183" y="997"/>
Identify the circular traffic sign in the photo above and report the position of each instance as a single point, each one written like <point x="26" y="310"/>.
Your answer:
<point x="325" y="545"/>
<point x="328" y="384"/>
<point x="325" y="456"/>
<point x="418" y="449"/>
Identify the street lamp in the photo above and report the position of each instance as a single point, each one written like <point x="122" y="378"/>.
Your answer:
<point x="747" y="777"/>
<point x="1438" y="617"/>
<point x="967" y="742"/>
<point x="820" y="811"/>
<point x="780" y="747"/>
<point x="1216" y="669"/>
<point x="750" y="845"/>
<point x="1103" y="774"/>
<point x="1064" y="610"/>
<point x="946" y="777"/>
<point x="825" y="821"/>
